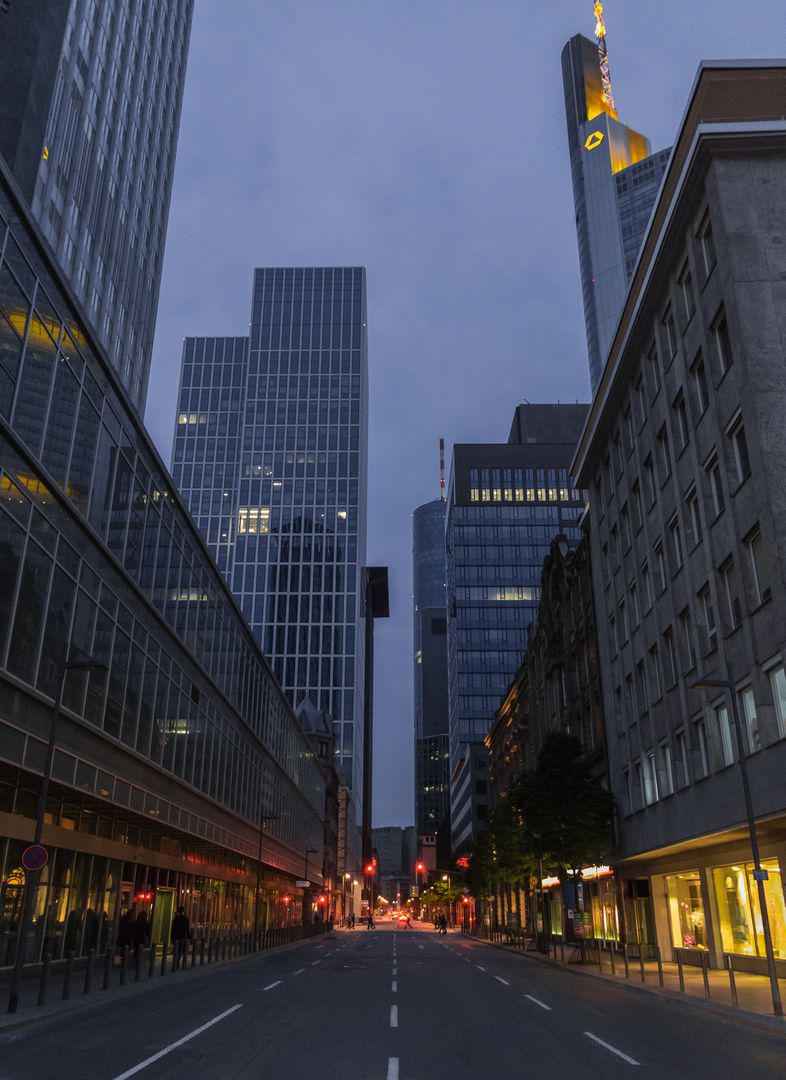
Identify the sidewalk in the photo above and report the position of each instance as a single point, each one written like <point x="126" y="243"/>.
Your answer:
<point x="753" y="991"/>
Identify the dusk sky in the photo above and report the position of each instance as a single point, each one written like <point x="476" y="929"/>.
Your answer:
<point x="426" y="142"/>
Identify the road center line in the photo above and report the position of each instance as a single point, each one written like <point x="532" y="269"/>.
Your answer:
<point x="394" y="1016"/>
<point x="299" y="971"/>
<point x="503" y="981"/>
<point x="536" y="1001"/>
<point x="480" y="967"/>
<point x="613" y="1049"/>
<point x="392" y="1069"/>
<point x="272" y="985"/>
<point x="394" y="987"/>
<point x="173" y="1046"/>
<point x="420" y="946"/>
<point x="315" y="962"/>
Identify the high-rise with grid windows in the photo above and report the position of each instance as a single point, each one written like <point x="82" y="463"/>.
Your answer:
<point x="270" y="453"/>
<point x="92" y="91"/>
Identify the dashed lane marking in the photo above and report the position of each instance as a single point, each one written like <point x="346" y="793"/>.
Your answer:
<point x="503" y="981"/>
<point x="173" y="1046"/>
<point x="612" y="1049"/>
<point x="299" y="971"/>
<point x="394" y="1016"/>
<point x="392" y="1069"/>
<point x="315" y="962"/>
<point x="394" y="987"/>
<point x="536" y="1001"/>
<point x="480" y="967"/>
<point x="272" y="985"/>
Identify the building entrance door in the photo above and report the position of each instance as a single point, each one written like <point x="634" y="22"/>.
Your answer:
<point x="163" y="911"/>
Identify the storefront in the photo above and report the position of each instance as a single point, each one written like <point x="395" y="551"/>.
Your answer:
<point x="585" y="908"/>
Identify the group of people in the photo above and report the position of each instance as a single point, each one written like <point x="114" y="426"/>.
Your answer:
<point x="440" y="924"/>
<point x="134" y="932"/>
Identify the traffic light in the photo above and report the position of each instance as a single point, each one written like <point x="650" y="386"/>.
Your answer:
<point x="420" y="867"/>
<point x="322" y="900"/>
<point x="370" y="869"/>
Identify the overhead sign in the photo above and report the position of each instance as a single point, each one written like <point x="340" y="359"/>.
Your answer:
<point x="302" y="884"/>
<point x="35" y="857"/>
<point x="593" y="140"/>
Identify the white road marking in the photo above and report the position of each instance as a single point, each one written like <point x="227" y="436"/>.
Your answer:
<point x="392" y="1069"/>
<point x="272" y="985"/>
<point x="613" y="1049"/>
<point x="315" y="962"/>
<point x="394" y="987"/>
<point x="394" y="1016"/>
<point x="503" y="981"/>
<point x="420" y="946"/>
<point x="328" y="954"/>
<point x="301" y="970"/>
<point x="467" y="959"/>
<point x="173" y="1046"/>
<point x="535" y="1001"/>
<point x="480" y="967"/>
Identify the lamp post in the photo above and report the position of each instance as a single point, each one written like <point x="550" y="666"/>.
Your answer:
<point x="31" y="876"/>
<point x="446" y="877"/>
<point x="262" y="819"/>
<point x="309" y="851"/>
<point x="758" y="873"/>
<point x="346" y="878"/>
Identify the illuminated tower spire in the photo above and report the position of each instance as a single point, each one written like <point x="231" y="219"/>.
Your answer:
<point x="603" y="56"/>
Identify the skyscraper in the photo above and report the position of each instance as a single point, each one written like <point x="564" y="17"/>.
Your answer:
<point x="91" y="108"/>
<point x="506" y="503"/>
<point x="270" y="454"/>
<point x="432" y="757"/>
<point x="615" y="180"/>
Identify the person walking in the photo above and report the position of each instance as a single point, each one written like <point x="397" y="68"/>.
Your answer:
<point x="141" y="933"/>
<point x="370" y="922"/>
<point x="125" y="930"/>
<point x="179" y="936"/>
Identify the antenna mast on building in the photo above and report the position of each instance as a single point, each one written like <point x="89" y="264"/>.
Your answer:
<point x="603" y="56"/>
<point x="442" y="469"/>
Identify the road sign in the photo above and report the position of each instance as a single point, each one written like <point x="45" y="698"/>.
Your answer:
<point x="761" y="875"/>
<point x="35" y="857"/>
<point x="302" y="884"/>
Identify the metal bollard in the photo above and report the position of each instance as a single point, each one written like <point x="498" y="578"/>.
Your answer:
<point x="89" y="971"/>
<point x="224" y="947"/>
<point x="43" y="986"/>
<point x="124" y="965"/>
<point x="108" y="961"/>
<point x="561" y="950"/>
<point x="193" y="952"/>
<point x="151" y="967"/>
<point x="641" y="960"/>
<point x="613" y="963"/>
<point x="660" y="965"/>
<point x="625" y="959"/>
<point x="705" y="971"/>
<point x="138" y="965"/>
<point x="69" y="974"/>
<point x="732" y="981"/>
<point x="202" y="952"/>
<point x="163" y="958"/>
<point x="680" y="972"/>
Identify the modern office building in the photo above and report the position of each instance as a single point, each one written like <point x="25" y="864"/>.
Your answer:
<point x="270" y="454"/>
<point x="506" y="502"/>
<point x="615" y="181"/>
<point x="684" y="457"/>
<point x="178" y="754"/>
<point x="430" y="642"/>
<point x="91" y="108"/>
<point x="395" y="854"/>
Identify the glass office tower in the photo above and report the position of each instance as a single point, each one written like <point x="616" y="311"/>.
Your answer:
<point x="92" y="92"/>
<point x="270" y="452"/>
<point x="506" y="503"/>
<point x="616" y="178"/>
<point x="432" y="757"/>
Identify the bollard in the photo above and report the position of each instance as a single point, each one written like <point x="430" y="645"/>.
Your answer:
<point x="163" y="958"/>
<point x="224" y="947"/>
<point x="625" y="960"/>
<point x="69" y="973"/>
<point x="123" y="965"/>
<point x="613" y="963"/>
<point x="193" y="952"/>
<point x="705" y="971"/>
<point x="43" y="986"/>
<point x="660" y="965"/>
<point x="108" y="960"/>
<point x="89" y="971"/>
<point x="680" y="972"/>
<point x="151" y="967"/>
<point x="561" y="950"/>
<point x="732" y="982"/>
<point x="202" y="952"/>
<point x="138" y="964"/>
<point x="641" y="960"/>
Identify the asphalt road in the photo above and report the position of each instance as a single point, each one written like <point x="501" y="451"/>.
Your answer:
<point x="390" y="1005"/>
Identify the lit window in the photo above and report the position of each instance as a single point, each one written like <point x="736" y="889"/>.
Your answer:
<point x="253" y="519"/>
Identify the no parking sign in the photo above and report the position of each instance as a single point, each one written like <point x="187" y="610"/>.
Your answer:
<point x="35" y="857"/>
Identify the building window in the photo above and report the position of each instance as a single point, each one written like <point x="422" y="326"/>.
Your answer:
<point x="253" y="519"/>
<point x="719" y="333"/>
<point x="708" y="617"/>
<point x="739" y="445"/>
<point x="649" y="479"/>
<point x="618" y="456"/>
<point x="666" y="770"/>
<point x="685" y="285"/>
<point x="625" y="527"/>
<point x="686" y="631"/>
<point x="681" y="759"/>
<point x="700" y="746"/>
<point x="712" y="469"/>
<point x="654" y="662"/>
<point x="694" y="516"/>
<point x="706" y="244"/>
<point x="653" y="367"/>
<point x="675" y="539"/>
<point x="670" y="658"/>
<point x="606" y="563"/>
<point x="736" y="894"/>
<point x="613" y="634"/>
<point x="627" y="431"/>
<point x="778" y="686"/>
<point x="660" y="566"/>
<point x="759" y="564"/>
<point x="668" y="334"/>
<point x="731" y="591"/>
<point x="641" y="687"/>
<point x="649" y="788"/>
<point x="751" y="720"/>
<point x="615" y="545"/>
<point x="646" y="586"/>
<point x="638" y="508"/>
<point x="634" y="603"/>
<point x="623" y="619"/>
<point x="681" y="415"/>
<point x="700" y="385"/>
<point x="724" y="734"/>
<point x="628" y="788"/>
<point x="641" y="402"/>
<point x="664" y="458"/>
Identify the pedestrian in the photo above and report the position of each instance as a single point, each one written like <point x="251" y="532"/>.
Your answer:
<point x="179" y="936"/>
<point x="370" y="922"/>
<point x="408" y="923"/>
<point x="352" y="921"/>
<point x="141" y="933"/>
<point x="125" y="930"/>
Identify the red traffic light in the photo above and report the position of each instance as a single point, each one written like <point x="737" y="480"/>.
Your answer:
<point x="465" y="899"/>
<point x="322" y="900"/>
<point x="420" y="867"/>
<point x="370" y="868"/>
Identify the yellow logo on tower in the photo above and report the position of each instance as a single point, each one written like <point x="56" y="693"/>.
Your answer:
<point x="593" y="140"/>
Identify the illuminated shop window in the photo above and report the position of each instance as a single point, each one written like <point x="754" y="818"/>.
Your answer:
<point x="253" y="519"/>
<point x="737" y="897"/>
<point x="686" y="910"/>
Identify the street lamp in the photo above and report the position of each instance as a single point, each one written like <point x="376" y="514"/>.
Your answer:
<point x="758" y="873"/>
<point x="309" y="851"/>
<point x="262" y="819"/>
<point x="31" y="876"/>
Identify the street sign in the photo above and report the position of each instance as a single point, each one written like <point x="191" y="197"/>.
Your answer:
<point x="35" y="857"/>
<point x="761" y="875"/>
<point x="302" y="884"/>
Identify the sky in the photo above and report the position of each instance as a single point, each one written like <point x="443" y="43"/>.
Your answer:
<point x="425" y="141"/>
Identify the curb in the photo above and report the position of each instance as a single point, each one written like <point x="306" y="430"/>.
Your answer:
<point x="770" y="1024"/>
<point x="100" y="997"/>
